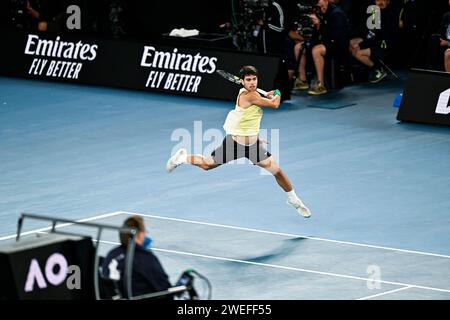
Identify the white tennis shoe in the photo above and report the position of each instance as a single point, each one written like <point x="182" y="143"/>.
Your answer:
<point x="178" y="158"/>
<point x="299" y="206"/>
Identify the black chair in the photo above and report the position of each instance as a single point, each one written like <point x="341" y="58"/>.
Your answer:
<point x="337" y="71"/>
<point x="109" y="289"/>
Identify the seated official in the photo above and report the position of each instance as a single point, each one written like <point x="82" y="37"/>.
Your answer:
<point x="148" y="274"/>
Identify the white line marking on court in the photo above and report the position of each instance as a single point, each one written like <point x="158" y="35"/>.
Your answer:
<point x="106" y="215"/>
<point x="291" y="268"/>
<point x="289" y="235"/>
<point x="385" y="293"/>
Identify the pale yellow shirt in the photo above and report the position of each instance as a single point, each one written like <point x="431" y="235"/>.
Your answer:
<point x="243" y="121"/>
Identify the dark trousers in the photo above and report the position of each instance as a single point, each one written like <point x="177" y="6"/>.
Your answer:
<point x="435" y="53"/>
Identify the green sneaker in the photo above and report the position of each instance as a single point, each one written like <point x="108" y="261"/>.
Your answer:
<point x="300" y="85"/>
<point x="318" y="89"/>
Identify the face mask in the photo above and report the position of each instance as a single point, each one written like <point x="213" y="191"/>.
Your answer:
<point x="147" y="244"/>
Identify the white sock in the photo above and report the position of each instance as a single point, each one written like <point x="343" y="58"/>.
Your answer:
<point x="293" y="196"/>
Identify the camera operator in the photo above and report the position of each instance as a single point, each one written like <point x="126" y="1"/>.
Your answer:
<point x="333" y="40"/>
<point x="291" y="37"/>
<point x="258" y="25"/>
<point x="307" y="35"/>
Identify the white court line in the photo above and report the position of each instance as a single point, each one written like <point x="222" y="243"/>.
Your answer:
<point x="289" y="235"/>
<point x="292" y="268"/>
<point x="107" y="215"/>
<point x="384" y="293"/>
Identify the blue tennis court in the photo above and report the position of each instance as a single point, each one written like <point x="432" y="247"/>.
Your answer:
<point x="377" y="188"/>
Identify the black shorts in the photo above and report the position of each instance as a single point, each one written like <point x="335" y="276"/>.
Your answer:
<point x="376" y="52"/>
<point x="231" y="150"/>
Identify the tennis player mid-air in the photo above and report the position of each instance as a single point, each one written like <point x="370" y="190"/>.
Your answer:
<point x="242" y="129"/>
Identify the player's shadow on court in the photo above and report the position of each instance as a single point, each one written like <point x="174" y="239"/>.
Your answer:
<point x="285" y="249"/>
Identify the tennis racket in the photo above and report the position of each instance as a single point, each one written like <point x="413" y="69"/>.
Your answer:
<point x="236" y="79"/>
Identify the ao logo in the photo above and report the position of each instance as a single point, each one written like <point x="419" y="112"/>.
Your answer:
<point x="55" y="278"/>
<point x="442" y="105"/>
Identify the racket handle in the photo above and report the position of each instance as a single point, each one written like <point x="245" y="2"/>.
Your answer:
<point x="264" y="93"/>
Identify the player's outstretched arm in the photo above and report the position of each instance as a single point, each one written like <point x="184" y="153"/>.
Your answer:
<point x="273" y="100"/>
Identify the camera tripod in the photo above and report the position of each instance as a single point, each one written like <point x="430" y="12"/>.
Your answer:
<point x="305" y="49"/>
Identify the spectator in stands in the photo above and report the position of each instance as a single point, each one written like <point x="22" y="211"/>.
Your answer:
<point x="439" y="45"/>
<point x="445" y="40"/>
<point x="414" y="21"/>
<point x="36" y="15"/>
<point x="148" y="274"/>
<point x="377" y="43"/>
<point x="32" y="12"/>
<point x="447" y="60"/>
<point x="334" y="40"/>
<point x="23" y="15"/>
<point x="53" y="16"/>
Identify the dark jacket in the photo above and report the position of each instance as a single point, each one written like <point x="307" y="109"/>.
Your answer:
<point x="148" y="273"/>
<point x="335" y="29"/>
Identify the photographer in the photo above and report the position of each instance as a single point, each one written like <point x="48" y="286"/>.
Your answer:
<point x="292" y="37"/>
<point x="333" y="41"/>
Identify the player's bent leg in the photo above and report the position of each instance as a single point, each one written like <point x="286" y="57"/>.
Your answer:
<point x="293" y="200"/>
<point x="177" y="159"/>
<point x="181" y="156"/>
<point x="206" y="163"/>
<point x="270" y="165"/>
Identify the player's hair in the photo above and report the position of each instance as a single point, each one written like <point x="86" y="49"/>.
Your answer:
<point x="132" y="222"/>
<point x="248" y="71"/>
